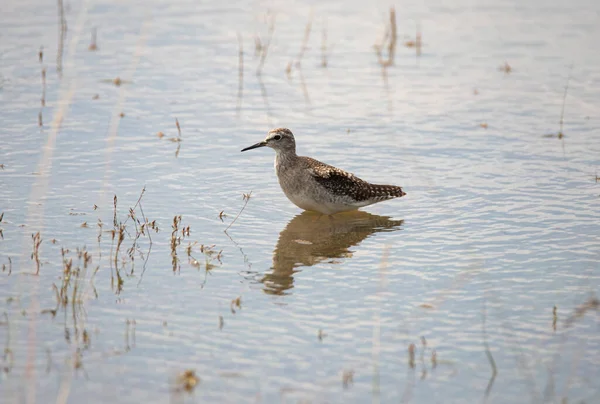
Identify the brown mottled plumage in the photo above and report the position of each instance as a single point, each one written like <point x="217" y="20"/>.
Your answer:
<point x="312" y="185"/>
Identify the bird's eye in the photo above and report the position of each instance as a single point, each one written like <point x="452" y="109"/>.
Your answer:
<point x="277" y="137"/>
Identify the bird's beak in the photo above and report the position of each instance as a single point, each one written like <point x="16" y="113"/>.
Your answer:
<point x="255" y="146"/>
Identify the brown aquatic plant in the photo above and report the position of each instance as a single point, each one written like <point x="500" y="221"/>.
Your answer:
<point x="506" y="68"/>
<point x="120" y="238"/>
<point x="411" y="355"/>
<point x="187" y="381"/>
<point x="175" y="242"/>
<point x="115" y="224"/>
<point x="417" y="43"/>
<point x="9" y="265"/>
<point x="347" y="378"/>
<point x="93" y="44"/>
<point x="237" y="302"/>
<point x="43" y="99"/>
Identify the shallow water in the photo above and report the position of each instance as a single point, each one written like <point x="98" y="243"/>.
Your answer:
<point x="500" y="224"/>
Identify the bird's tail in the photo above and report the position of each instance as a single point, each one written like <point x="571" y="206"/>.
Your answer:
<point x="384" y="192"/>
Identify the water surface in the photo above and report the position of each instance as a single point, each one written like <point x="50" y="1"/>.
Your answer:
<point x="499" y="225"/>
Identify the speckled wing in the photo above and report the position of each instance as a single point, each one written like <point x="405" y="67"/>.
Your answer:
<point x="344" y="184"/>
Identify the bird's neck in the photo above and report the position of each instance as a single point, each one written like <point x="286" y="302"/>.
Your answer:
<point x="284" y="158"/>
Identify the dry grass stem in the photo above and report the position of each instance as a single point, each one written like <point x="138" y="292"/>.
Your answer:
<point x="246" y="199"/>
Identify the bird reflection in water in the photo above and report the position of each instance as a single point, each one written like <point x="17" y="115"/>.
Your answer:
<point x="310" y="238"/>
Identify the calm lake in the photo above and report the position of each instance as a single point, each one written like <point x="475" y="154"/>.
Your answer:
<point x="146" y="260"/>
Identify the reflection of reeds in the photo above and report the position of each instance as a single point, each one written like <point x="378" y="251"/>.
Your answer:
<point x="560" y="133"/>
<point x="488" y="353"/>
<point x="391" y="36"/>
<point x="303" y="86"/>
<point x="35" y="210"/>
<point x="115" y="119"/>
<point x="178" y="138"/>
<point x="298" y="61"/>
<point x="43" y="99"/>
<point x="376" y="347"/>
<point x="240" y="73"/>
<point x="61" y="37"/>
<point x="304" y="46"/>
<point x="418" y="41"/>
<point x="591" y="304"/>
<point x="324" y="54"/>
<point x="35" y="255"/>
<point x="264" y="48"/>
<point x="8" y="357"/>
<point x="562" y="111"/>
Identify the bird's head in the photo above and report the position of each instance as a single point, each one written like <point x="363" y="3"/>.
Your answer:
<point x="280" y="139"/>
